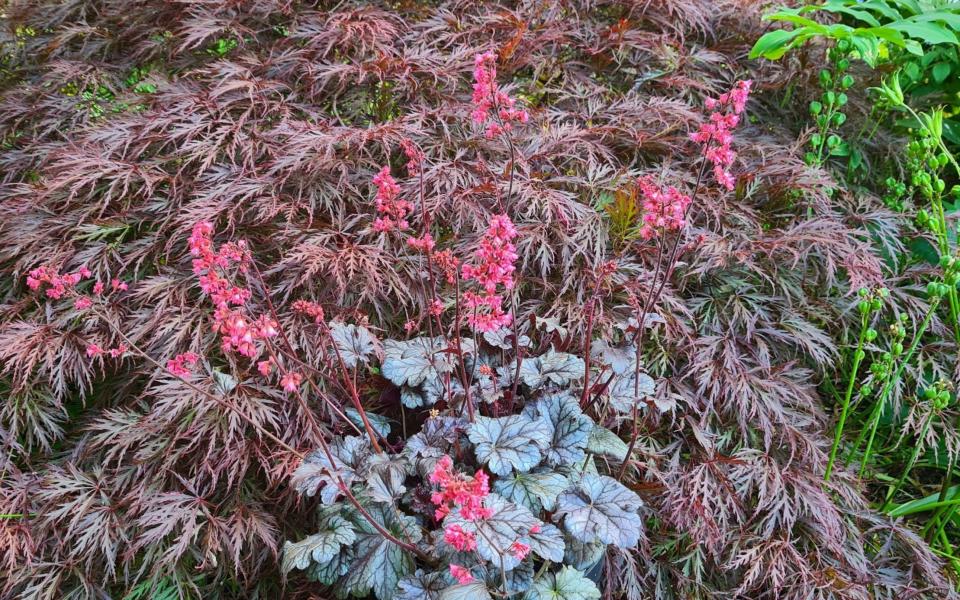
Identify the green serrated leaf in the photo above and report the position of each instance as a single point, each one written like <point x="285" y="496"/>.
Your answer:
<point x="567" y="584"/>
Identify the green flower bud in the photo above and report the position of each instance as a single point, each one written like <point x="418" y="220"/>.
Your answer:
<point x="929" y="393"/>
<point x="816" y="108"/>
<point x="866" y="390"/>
<point x="871" y="334"/>
<point x="897" y="348"/>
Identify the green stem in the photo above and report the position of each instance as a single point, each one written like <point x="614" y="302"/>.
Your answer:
<point x="857" y="358"/>
<point x="913" y="460"/>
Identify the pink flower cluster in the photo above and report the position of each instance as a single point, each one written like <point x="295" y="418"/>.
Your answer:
<point x="290" y="381"/>
<point x="310" y="309"/>
<point x="181" y="364"/>
<point x="487" y="97"/>
<point x="94" y="350"/>
<point x="238" y="332"/>
<point x="663" y="210"/>
<point x="493" y="267"/>
<point x="393" y="211"/>
<point x="414" y="157"/>
<point x="461" y="574"/>
<point x="423" y="243"/>
<point x="715" y="135"/>
<point x="456" y="536"/>
<point x="57" y="284"/>
<point x="458" y="490"/>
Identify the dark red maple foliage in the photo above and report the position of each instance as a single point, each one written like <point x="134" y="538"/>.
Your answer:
<point x="126" y="122"/>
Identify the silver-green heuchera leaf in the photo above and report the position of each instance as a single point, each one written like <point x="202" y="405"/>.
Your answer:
<point x="424" y="585"/>
<point x="546" y="543"/>
<point x="558" y="368"/>
<point x="349" y="456"/>
<point x="379" y="564"/>
<point x="413" y="362"/>
<point x="569" y="427"/>
<point x="354" y="344"/>
<point x="536" y="490"/>
<point x="379" y="423"/>
<point x="598" y="507"/>
<point x="508" y="443"/>
<point x="566" y="584"/>
<point x="321" y="547"/>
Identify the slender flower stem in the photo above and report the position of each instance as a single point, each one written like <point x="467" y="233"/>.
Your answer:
<point x="913" y="460"/>
<point x="351" y="388"/>
<point x="874" y="419"/>
<point x="844" y="411"/>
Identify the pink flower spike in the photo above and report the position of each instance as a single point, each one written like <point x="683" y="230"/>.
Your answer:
<point x="94" y="350"/>
<point x="265" y="367"/>
<point x="118" y="285"/>
<point x="461" y="574"/>
<point x="392" y="210"/>
<point x="519" y="550"/>
<point x="118" y="351"/>
<point x="715" y="136"/>
<point x="181" y="364"/>
<point x="291" y="381"/>
<point x="98" y="288"/>
<point x="82" y="303"/>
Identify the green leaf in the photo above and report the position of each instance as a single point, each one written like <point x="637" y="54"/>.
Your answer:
<point x="566" y="584"/>
<point x="941" y="71"/>
<point x="601" y="508"/>
<point x="604" y="442"/>
<point x="927" y="32"/>
<point x="508" y="443"/>
<point x="774" y="44"/>
<point x="926" y="504"/>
